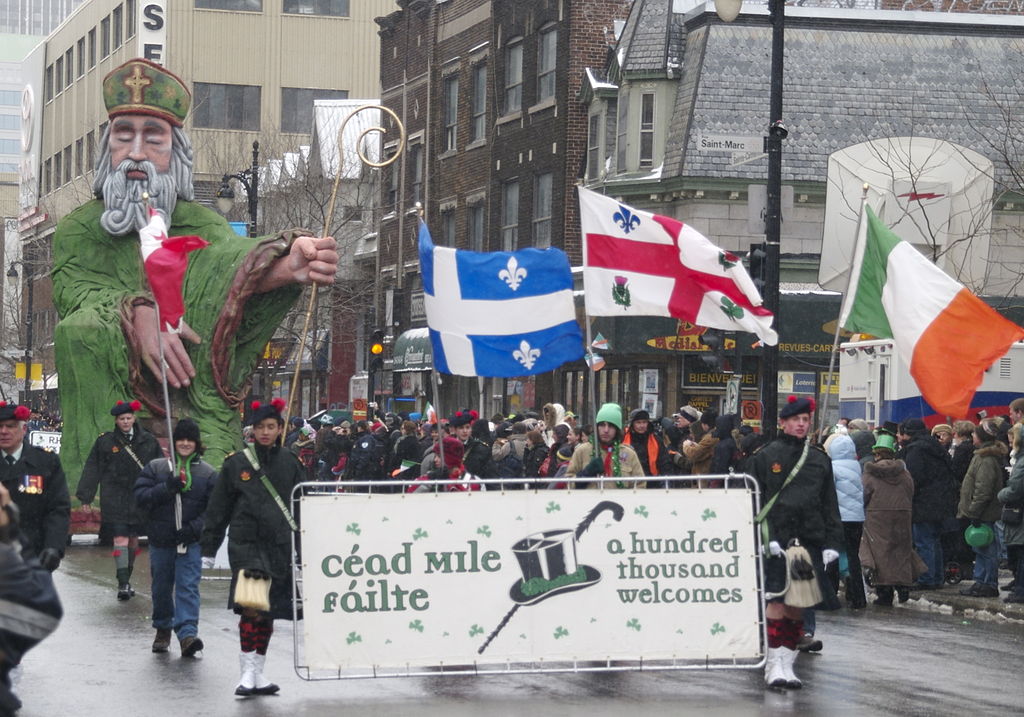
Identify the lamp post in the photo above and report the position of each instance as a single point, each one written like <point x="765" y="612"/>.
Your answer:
<point x="250" y="179"/>
<point x="728" y="10"/>
<point x="12" y="273"/>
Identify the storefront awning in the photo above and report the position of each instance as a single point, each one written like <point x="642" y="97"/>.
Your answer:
<point x="412" y="351"/>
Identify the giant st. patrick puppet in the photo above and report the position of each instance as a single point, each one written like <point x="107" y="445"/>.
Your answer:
<point x="235" y="290"/>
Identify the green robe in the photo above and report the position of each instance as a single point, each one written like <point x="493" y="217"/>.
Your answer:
<point x="98" y="280"/>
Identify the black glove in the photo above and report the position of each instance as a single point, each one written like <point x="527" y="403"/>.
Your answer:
<point x="594" y="468"/>
<point x="174" y="485"/>
<point x="49" y="559"/>
<point x="184" y="536"/>
<point x="256" y="574"/>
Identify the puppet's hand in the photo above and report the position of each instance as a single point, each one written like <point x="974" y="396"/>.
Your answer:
<point x="179" y="366"/>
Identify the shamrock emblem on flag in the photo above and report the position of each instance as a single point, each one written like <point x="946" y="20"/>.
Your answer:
<point x="731" y="309"/>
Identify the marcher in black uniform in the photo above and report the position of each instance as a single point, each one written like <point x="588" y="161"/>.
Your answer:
<point x="806" y="510"/>
<point x="35" y="480"/>
<point x="116" y="459"/>
<point x="259" y="540"/>
<point x="31" y="609"/>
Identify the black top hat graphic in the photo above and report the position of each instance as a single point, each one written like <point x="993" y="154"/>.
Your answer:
<point x="548" y="563"/>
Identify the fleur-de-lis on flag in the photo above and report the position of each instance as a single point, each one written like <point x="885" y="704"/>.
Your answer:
<point x="526" y="355"/>
<point x="512" y="274"/>
<point x="626" y="219"/>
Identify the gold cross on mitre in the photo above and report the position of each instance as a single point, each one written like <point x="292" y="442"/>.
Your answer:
<point x="137" y="82"/>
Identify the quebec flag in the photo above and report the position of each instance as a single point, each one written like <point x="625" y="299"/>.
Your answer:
<point x="498" y="314"/>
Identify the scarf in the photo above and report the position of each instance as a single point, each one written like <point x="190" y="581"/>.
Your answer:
<point x="185" y="471"/>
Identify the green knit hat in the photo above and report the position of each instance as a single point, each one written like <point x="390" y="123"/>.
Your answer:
<point x="143" y="87"/>
<point x="610" y="413"/>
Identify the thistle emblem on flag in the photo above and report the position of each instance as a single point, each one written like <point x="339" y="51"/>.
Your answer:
<point x="626" y="219"/>
<point x="731" y="309"/>
<point x="512" y="274"/>
<point x="620" y="292"/>
<point x="526" y="355"/>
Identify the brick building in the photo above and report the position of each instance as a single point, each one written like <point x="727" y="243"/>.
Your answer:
<point x="496" y="141"/>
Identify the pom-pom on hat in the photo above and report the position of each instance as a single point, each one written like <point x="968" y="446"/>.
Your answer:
<point x="263" y="411"/>
<point x="795" y="406"/>
<point x="122" y="407"/>
<point x="461" y="418"/>
<point x="14" y="412"/>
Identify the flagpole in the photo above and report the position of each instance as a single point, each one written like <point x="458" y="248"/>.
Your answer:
<point x="437" y="410"/>
<point x="167" y="403"/>
<point x="589" y="351"/>
<point x="170" y="430"/>
<point x="857" y="248"/>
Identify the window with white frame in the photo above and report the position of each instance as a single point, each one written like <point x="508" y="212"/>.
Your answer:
<point x="417" y="172"/>
<point x="510" y="216"/>
<point x="546" y="63"/>
<point x="514" y="76"/>
<point x="594" y="147"/>
<point x="623" y="126"/>
<point x="451" y="112"/>
<point x="647" y="129"/>
<point x="542" y="184"/>
<point x="478" y="127"/>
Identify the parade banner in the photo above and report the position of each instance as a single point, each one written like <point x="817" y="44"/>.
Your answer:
<point x="394" y="582"/>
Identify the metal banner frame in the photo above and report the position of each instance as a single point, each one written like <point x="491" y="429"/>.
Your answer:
<point x="339" y="558"/>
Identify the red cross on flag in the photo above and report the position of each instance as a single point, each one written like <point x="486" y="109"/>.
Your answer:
<point x="165" y="260"/>
<point x="642" y="264"/>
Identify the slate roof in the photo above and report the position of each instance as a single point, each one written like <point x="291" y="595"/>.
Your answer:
<point x="645" y="39"/>
<point x="870" y="75"/>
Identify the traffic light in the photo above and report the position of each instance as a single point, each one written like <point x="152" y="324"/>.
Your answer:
<point x="377" y="350"/>
<point x="714" y="356"/>
<point x="756" y="265"/>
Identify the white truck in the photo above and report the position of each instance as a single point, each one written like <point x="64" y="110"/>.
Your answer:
<point x="875" y="384"/>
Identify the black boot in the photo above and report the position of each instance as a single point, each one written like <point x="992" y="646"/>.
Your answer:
<point x="903" y="592"/>
<point x="124" y="588"/>
<point x="884" y="595"/>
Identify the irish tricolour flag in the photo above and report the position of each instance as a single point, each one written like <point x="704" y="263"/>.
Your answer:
<point x="949" y="335"/>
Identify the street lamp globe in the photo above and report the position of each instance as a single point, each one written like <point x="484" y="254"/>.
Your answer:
<point x="728" y="10"/>
<point x="225" y="197"/>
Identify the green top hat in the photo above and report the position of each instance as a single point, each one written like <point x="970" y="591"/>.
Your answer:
<point x="143" y="87"/>
<point x="884" y="440"/>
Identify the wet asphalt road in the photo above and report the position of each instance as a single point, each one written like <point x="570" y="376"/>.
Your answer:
<point x="905" y="661"/>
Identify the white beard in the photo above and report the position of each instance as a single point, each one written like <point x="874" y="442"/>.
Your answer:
<point x="125" y="210"/>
